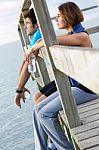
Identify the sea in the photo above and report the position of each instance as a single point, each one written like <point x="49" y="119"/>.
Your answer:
<point x="16" y="129"/>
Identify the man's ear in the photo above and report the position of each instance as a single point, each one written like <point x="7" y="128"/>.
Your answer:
<point x="36" y="25"/>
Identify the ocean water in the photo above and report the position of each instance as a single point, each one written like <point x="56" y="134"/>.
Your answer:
<point x="16" y="130"/>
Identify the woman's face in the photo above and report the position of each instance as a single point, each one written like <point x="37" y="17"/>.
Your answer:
<point x="61" y="23"/>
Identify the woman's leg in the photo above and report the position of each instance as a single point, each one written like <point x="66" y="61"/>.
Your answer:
<point x="39" y="133"/>
<point x="47" y="112"/>
<point x="46" y="91"/>
<point x="38" y="97"/>
<point x="82" y="97"/>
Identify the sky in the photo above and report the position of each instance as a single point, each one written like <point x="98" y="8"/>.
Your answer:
<point x="9" y="12"/>
<point x="10" y="9"/>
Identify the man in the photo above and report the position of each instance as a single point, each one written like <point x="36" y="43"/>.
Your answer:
<point x="34" y="37"/>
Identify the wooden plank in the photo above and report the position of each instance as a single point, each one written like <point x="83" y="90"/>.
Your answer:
<point x="21" y="38"/>
<point x="25" y="6"/>
<point x="85" y="127"/>
<point x="93" y="29"/>
<point x="91" y="118"/>
<point x="67" y="60"/>
<point x="91" y="142"/>
<point x="84" y="105"/>
<point x="43" y="70"/>
<point x="24" y="34"/>
<point x="95" y="148"/>
<point x="89" y="108"/>
<point x="89" y="113"/>
<point x="85" y="120"/>
<point x="87" y="134"/>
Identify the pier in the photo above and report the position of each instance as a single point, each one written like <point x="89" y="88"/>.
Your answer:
<point x="57" y="63"/>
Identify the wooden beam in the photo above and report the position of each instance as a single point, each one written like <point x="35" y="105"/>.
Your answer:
<point x="24" y="35"/>
<point x="80" y="63"/>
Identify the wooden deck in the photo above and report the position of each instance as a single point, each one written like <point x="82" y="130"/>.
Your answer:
<point x="59" y="62"/>
<point x="87" y="135"/>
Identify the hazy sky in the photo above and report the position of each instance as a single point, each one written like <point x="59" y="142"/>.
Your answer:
<point x="9" y="11"/>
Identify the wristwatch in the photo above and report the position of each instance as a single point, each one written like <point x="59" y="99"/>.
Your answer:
<point x="19" y="91"/>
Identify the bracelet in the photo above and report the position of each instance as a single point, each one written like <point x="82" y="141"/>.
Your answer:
<point x="19" y="91"/>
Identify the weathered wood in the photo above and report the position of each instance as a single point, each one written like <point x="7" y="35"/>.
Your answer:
<point x="95" y="148"/>
<point x="90" y="133"/>
<point x="90" y="118"/>
<point x="79" y="63"/>
<point x="84" y="105"/>
<point x="85" y="127"/>
<point x="89" y="143"/>
<point x="21" y="37"/>
<point x="87" y="135"/>
<point x="25" y="6"/>
<point x="89" y="113"/>
<point x="91" y="107"/>
<point x="43" y="70"/>
<point x="24" y="35"/>
<point x="46" y="27"/>
<point x="93" y="30"/>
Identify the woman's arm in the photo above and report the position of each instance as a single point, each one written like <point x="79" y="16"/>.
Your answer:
<point x="77" y="39"/>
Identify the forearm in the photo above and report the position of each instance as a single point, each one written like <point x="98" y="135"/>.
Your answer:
<point x="24" y="76"/>
<point x="21" y="67"/>
<point x="37" y="46"/>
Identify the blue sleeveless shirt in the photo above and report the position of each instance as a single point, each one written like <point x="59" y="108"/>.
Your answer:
<point x="76" y="29"/>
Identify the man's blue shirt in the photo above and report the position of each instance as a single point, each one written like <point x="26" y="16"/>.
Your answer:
<point x="34" y="38"/>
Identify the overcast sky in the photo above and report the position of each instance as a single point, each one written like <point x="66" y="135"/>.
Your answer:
<point x="10" y="9"/>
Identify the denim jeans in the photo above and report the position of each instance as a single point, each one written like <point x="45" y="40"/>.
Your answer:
<point x="45" y="120"/>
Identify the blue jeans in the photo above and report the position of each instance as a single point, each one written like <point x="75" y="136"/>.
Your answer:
<point x="45" y="119"/>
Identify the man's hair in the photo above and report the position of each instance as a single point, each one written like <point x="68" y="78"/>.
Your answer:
<point x="71" y="13"/>
<point x="31" y="15"/>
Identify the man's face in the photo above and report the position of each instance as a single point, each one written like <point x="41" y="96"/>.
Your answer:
<point x="29" y="26"/>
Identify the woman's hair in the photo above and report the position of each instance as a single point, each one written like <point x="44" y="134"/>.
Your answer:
<point x="31" y="15"/>
<point x="71" y="13"/>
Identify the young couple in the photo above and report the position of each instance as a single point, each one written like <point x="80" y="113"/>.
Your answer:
<point x="47" y="101"/>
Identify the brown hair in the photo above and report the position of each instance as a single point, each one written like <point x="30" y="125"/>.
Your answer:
<point x="71" y="13"/>
<point x="31" y="15"/>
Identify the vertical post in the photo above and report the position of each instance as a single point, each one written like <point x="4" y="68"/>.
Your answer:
<point x="49" y="37"/>
<point x="24" y="35"/>
<point x="21" y="37"/>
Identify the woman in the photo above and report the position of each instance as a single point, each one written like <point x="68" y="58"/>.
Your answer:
<point x="45" y="114"/>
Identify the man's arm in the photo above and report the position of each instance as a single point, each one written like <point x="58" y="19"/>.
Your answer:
<point x="23" y="78"/>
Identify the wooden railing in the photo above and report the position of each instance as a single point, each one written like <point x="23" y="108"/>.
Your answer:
<point x="81" y="64"/>
<point x="59" y="62"/>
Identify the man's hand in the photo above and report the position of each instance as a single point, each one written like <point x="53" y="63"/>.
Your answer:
<point x="19" y="97"/>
